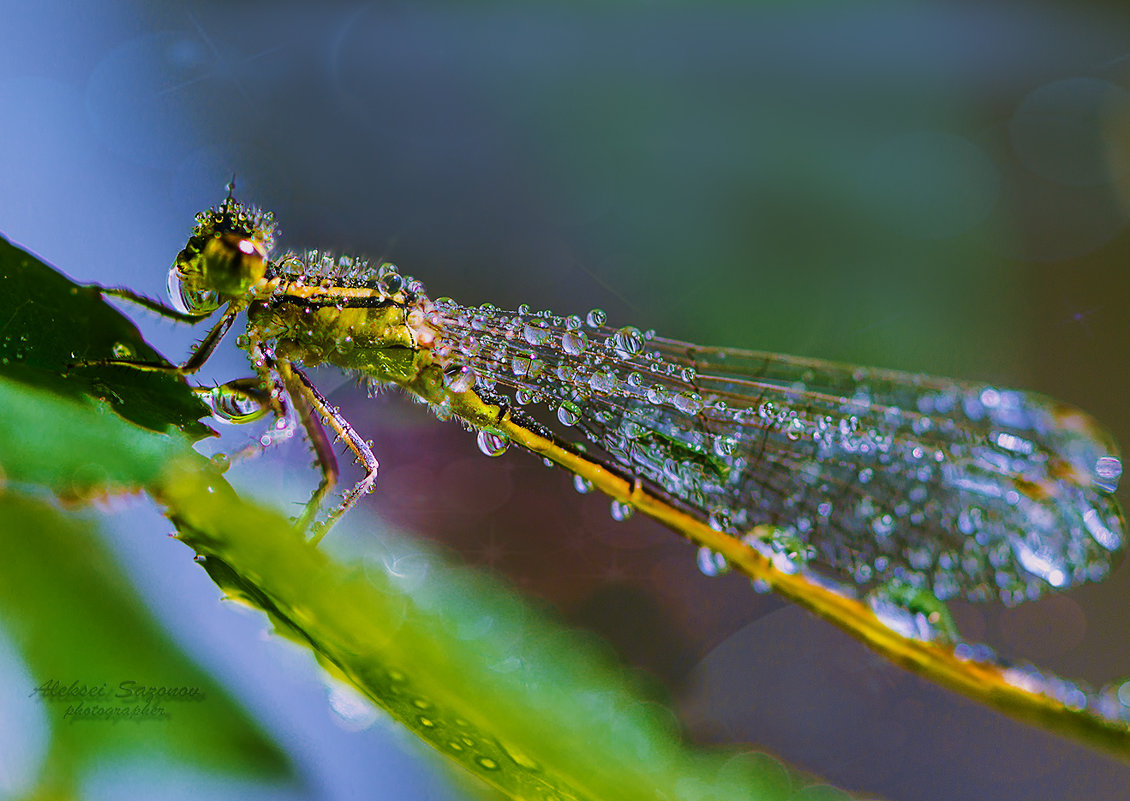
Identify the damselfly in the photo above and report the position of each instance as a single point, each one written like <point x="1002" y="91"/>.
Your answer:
<point x="866" y="495"/>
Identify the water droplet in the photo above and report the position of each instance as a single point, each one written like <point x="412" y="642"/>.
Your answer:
<point x="1108" y="469"/>
<point x="231" y="406"/>
<point x="567" y="414"/>
<point x="573" y="342"/>
<point x="390" y="282"/>
<point x="990" y="397"/>
<point x="595" y="318"/>
<point x="486" y="763"/>
<point x="353" y="711"/>
<point x="1040" y="563"/>
<point x="122" y="351"/>
<point x="621" y="511"/>
<point x="535" y="333"/>
<point x="910" y="624"/>
<point x="220" y="462"/>
<point x="627" y="342"/>
<point x="883" y="525"/>
<point x="719" y="520"/>
<point x="724" y="446"/>
<point x="492" y="444"/>
<point x="520" y="365"/>
<point x="688" y="402"/>
<point x="711" y="563"/>
<point x="603" y="381"/>
<point x="459" y="379"/>
<point x="582" y="485"/>
<point x="1105" y="536"/>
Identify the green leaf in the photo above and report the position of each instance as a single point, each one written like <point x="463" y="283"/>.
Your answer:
<point x="77" y="449"/>
<point x="535" y="709"/>
<point x="48" y="324"/>
<point x="78" y="624"/>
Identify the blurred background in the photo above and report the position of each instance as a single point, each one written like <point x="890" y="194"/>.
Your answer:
<point x="935" y="187"/>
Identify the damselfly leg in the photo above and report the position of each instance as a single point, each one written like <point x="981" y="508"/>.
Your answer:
<point x="308" y="399"/>
<point x="282" y="389"/>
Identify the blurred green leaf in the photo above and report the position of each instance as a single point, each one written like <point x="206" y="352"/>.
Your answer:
<point x="77" y="449"/>
<point x="535" y="709"/>
<point x="76" y="621"/>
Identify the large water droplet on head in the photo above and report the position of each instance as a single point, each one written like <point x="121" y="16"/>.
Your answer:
<point x="492" y="444"/>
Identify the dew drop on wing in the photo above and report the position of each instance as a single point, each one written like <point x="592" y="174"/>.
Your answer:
<point x="969" y="491"/>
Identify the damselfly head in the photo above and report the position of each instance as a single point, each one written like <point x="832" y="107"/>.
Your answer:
<point x="225" y="256"/>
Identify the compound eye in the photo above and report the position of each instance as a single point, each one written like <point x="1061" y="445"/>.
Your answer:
<point x="232" y="262"/>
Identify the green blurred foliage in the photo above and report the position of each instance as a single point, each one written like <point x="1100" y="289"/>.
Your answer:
<point x="74" y="618"/>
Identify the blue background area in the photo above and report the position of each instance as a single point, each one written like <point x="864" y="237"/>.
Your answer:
<point x="941" y="188"/>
